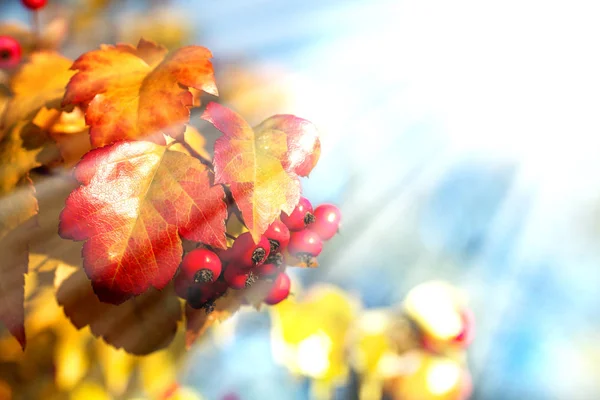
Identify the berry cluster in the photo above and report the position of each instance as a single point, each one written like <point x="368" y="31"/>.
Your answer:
<point x="205" y="275"/>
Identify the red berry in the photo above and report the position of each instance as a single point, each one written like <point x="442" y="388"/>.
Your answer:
<point x="249" y="254"/>
<point x="278" y="235"/>
<point x="279" y="291"/>
<point x="238" y="278"/>
<point x="202" y="295"/>
<point x="34" y="4"/>
<point x="10" y="52"/>
<point x="201" y="265"/>
<point x="305" y="243"/>
<point x="300" y="217"/>
<point x="327" y="221"/>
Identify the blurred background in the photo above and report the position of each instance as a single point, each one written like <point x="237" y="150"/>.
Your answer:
<point x="460" y="139"/>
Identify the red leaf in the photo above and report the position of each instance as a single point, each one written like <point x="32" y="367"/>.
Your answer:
<point x="136" y="200"/>
<point x="252" y="163"/>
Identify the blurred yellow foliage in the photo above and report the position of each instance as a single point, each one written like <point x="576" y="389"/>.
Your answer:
<point x="429" y="377"/>
<point x="61" y="360"/>
<point x="309" y="335"/>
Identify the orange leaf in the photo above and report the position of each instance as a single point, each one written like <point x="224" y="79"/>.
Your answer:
<point x="251" y="163"/>
<point x="136" y="200"/>
<point x="68" y="130"/>
<point x="138" y="92"/>
<point x="139" y="326"/>
<point x="40" y="82"/>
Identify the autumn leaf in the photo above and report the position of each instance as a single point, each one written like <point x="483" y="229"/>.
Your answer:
<point x="18" y="158"/>
<point x="18" y="207"/>
<point x="138" y="92"/>
<point x="140" y="326"/>
<point x="41" y="82"/>
<point x="251" y="163"/>
<point x="116" y="365"/>
<point x="72" y="360"/>
<point x="198" y="321"/>
<point x="158" y="372"/>
<point x="13" y="267"/>
<point x="136" y="202"/>
<point x="304" y="145"/>
<point x="68" y="130"/>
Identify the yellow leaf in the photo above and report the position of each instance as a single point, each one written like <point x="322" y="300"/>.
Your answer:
<point x="57" y="121"/>
<point x="89" y="391"/>
<point x="310" y="334"/>
<point x="158" y="373"/>
<point x="71" y="360"/>
<point x="17" y="205"/>
<point x="251" y="163"/>
<point x="41" y="82"/>
<point x="43" y="312"/>
<point x="116" y="365"/>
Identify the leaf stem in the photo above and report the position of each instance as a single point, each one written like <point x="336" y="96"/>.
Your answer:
<point x="194" y="153"/>
<point x="230" y="236"/>
<point x="35" y="28"/>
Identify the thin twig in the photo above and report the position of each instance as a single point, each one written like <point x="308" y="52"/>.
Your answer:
<point x="35" y="27"/>
<point x="230" y="236"/>
<point x="194" y="153"/>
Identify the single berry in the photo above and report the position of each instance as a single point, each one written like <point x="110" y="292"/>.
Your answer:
<point x="34" y="4"/>
<point x="182" y="285"/>
<point x="280" y="290"/>
<point x="10" y="52"/>
<point x="278" y="235"/>
<point x="327" y="221"/>
<point x="201" y="266"/>
<point x="305" y="243"/>
<point x="238" y="278"/>
<point x="205" y="295"/>
<point x="300" y="217"/>
<point x="248" y="254"/>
